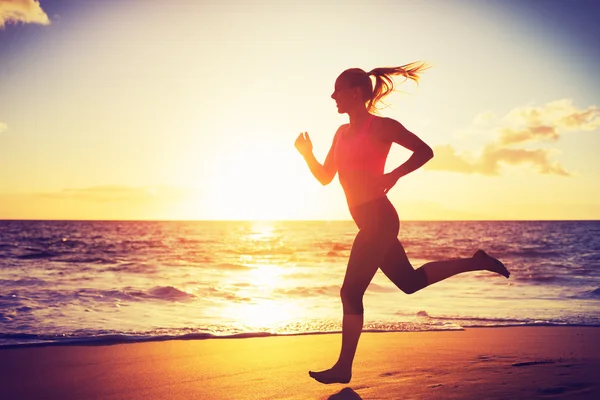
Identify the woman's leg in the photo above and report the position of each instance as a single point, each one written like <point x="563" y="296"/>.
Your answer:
<point x="399" y="270"/>
<point x="439" y="270"/>
<point x="365" y="257"/>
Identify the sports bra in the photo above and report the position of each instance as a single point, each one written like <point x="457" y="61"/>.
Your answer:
<point x="358" y="152"/>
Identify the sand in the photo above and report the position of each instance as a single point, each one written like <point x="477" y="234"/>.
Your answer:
<point x="478" y="363"/>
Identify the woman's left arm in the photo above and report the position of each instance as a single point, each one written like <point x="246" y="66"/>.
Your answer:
<point x="393" y="131"/>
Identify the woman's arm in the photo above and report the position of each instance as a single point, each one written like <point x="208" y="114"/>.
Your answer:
<point x="395" y="132"/>
<point x="324" y="173"/>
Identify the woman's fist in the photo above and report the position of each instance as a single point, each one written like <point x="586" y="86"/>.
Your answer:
<point x="303" y="144"/>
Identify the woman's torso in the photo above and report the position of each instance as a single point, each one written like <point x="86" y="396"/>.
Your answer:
<point x="360" y="158"/>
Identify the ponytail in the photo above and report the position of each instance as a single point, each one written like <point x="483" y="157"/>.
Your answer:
<point x="384" y="84"/>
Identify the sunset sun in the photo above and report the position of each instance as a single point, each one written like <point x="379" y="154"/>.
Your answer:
<point x="256" y="181"/>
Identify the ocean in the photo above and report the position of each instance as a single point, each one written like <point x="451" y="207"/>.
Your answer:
<point x="90" y="282"/>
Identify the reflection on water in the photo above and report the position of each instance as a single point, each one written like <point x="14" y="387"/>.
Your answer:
<point x="259" y="231"/>
<point x="260" y="284"/>
<point x="263" y="314"/>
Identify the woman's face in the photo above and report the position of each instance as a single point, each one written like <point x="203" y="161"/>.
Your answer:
<point x="346" y="97"/>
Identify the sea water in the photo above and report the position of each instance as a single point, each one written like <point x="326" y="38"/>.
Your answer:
<point x="115" y="281"/>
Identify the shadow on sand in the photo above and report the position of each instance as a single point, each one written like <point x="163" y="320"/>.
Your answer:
<point x="345" y="394"/>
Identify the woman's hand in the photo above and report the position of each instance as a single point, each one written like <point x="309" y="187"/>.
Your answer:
<point x="387" y="181"/>
<point x="303" y="144"/>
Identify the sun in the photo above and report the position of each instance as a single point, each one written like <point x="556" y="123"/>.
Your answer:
<point x="256" y="181"/>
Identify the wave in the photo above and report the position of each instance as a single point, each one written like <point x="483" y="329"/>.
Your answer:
<point x="261" y="250"/>
<point x="66" y="257"/>
<point x="169" y="293"/>
<point x="541" y="279"/>
<point x="133" y="268"/>
<point x="166" y="293"/>
<point x="21" y="340"/>
<point x="88" y="260"/>
<point x="22" y="282"/>
<point x="37" y="255"/>
<point x="589" y="294"/>
<point x="301" y="291"/>
<point x="232" y="266"/>
<point x="333" y="246"/>
<point x="375" y="288"/>
<point x="544" y="253"/>
<point x="481" y="322"/>
<point x="485" y="321"/>
<point x="31" y="340"/>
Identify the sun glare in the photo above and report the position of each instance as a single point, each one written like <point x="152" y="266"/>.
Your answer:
<point x="261" y="230"/>
<point x="265" y="276"/>
<point x="255" y="181"/>
<point x="263" y="310"/>
<point x="265" y="314"/>
<point x="265" y="305"/>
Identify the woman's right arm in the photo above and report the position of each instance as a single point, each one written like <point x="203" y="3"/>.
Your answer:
<point x="324" y="173"/>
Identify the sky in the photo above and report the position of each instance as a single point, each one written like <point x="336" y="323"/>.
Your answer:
<point x="186" y="109"/>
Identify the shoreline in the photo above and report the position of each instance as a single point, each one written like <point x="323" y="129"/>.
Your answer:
<point x="492" y="363"/>
<point x="117" y="339"/>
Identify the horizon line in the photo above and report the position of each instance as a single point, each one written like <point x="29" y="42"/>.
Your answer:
<point x="289" y="220"/>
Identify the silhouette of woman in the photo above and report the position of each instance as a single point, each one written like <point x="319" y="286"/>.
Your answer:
<point x="358" y="154"/>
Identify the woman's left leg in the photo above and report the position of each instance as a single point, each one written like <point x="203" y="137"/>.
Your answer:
<point x="399" y="270"/>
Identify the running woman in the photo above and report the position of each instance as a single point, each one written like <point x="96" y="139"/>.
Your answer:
<point x="358" y="155"/>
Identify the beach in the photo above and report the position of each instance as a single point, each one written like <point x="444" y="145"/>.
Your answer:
<point x="475" y="363"/>
<point x="240" y="310"/>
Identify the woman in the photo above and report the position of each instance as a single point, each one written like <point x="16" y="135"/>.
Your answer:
<point x="358" y="155"/>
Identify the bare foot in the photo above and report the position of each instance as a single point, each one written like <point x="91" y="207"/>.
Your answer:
<point x="490" y="263"/>
<point x="333" y="375"/>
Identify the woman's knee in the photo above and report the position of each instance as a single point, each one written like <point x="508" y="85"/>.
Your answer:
<point x="409" y="287"/>
<point x="413" y="282"/>
<point x="351" y="300"/>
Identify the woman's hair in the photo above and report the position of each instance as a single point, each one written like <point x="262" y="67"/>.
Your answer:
<point x="384" y="83"/>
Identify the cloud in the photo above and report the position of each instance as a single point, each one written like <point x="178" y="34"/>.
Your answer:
<point x="520" y="126"/>
<point x="561" y="114"/>
<point x="533" y="133"/>
<point x="117" y="193"/>
<point x="3" y="127"/>
<point x="490" y="160"/>
<point x="25" y="11"/>
<point x="484" y="119"/>
<point x="530" y="124"/>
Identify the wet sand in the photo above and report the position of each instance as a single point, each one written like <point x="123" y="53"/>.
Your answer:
<point x="478" y="363"/>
